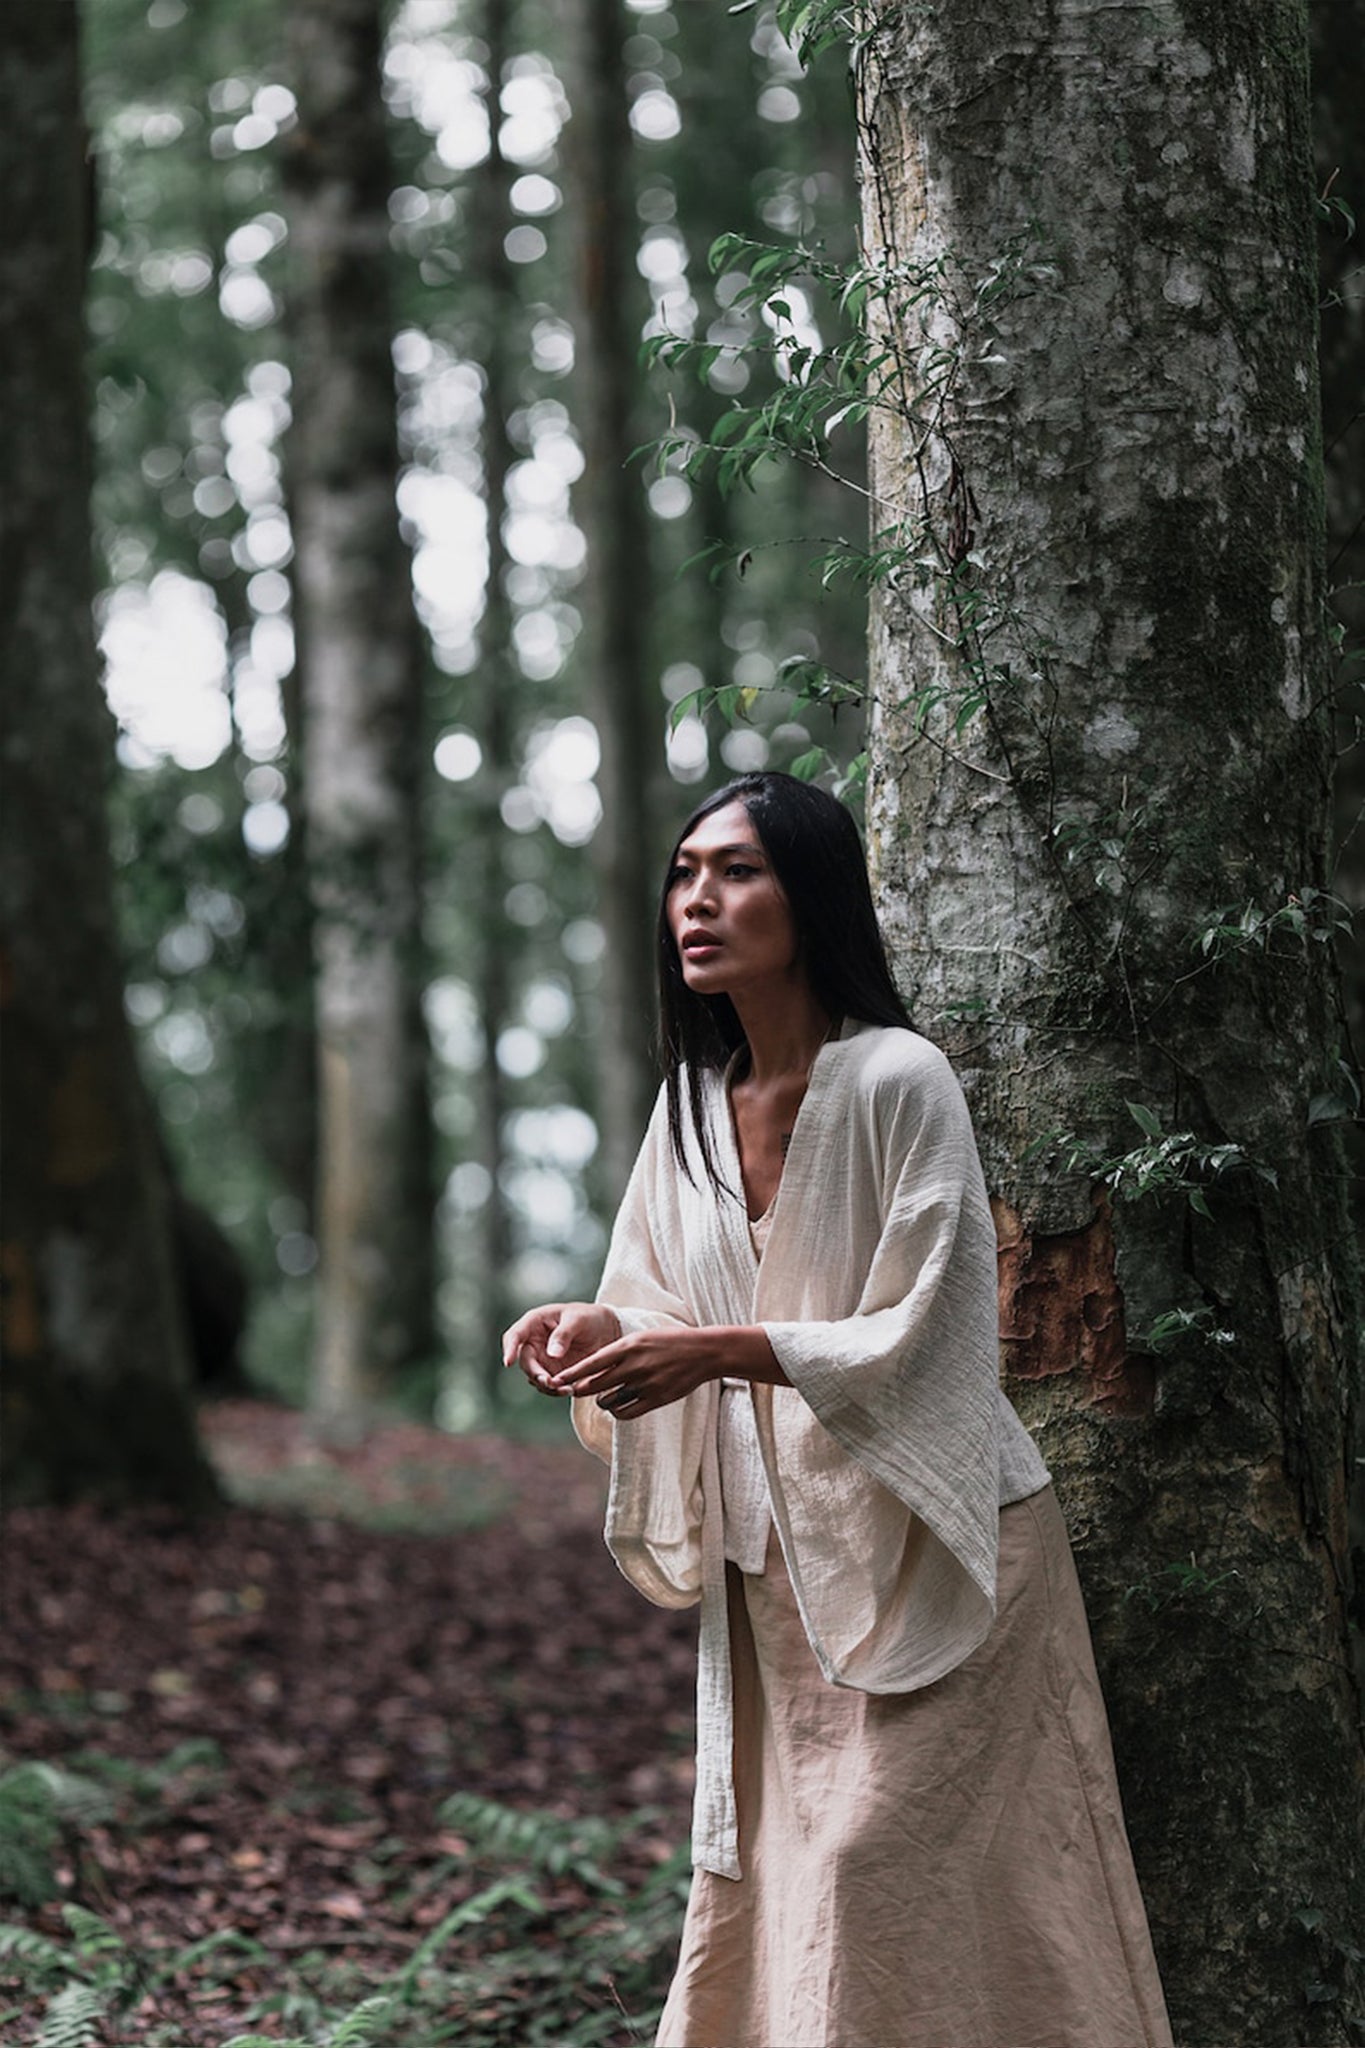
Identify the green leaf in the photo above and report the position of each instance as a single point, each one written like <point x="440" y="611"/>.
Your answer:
<point x="472" y="1913"/>
<point x="94" y="1937"/>
<point x="361" y="2027"/>
<point x="73" y="2018"/>
<point x="808" y="765"/>
<point x="685" y="708"/>
<point x="1199" y="1203"/>
<point x="1146" y="1120"/>
<point x="267" y="2041"/>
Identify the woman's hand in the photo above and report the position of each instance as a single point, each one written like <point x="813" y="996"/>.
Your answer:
<point x="555" y="1335"/>
<point x="631" y="1376"/>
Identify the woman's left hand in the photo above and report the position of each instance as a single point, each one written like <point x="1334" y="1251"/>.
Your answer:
<point x="634" y="1375"/>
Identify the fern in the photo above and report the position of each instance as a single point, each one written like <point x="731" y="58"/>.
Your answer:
<point x="38" y="1802"/>
<point x="73" y="2018"/>
<point x="539" y="1841"/>
<point x="268" y="2041"/>
<point x="33" y="1956"/>
<point x="93" y="1937"/>
<point x="589" y="1974"/>
<point x="365" y="2024"/>
<point x="362" y="2026"/>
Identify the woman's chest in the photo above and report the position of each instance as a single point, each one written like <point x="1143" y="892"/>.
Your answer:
<point x="763" y="1124"/>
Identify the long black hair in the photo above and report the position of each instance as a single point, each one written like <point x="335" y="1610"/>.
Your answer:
<point x="817" y="857"/>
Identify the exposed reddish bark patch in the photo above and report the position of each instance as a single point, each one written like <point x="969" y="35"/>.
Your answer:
<point x="1061" y="1311"/>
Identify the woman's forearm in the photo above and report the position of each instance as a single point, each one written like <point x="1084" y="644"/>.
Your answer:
<point x="741" y="1351"/>
<point x="635" y="1374"/>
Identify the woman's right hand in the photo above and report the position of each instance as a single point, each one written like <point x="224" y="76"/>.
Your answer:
<point x="557" y="1334"/>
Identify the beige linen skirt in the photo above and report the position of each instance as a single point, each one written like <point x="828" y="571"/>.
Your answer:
<point x="937" y="1869"/>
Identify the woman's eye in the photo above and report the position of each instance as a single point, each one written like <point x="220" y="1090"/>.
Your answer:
<point x="674" y="876"/>
<point x="737" y="868"/>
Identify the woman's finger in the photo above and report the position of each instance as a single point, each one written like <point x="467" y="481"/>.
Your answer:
<point x="595" y="1370"/>
<point x="627" y="1404"/>
<point x="532" y="1329"/>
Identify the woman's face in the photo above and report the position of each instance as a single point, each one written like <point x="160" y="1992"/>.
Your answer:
<point x="730" y="920"/>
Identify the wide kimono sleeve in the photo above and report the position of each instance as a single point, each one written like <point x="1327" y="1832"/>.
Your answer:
<point x="895" y="1357"/>
<point x="655" y="1501"/>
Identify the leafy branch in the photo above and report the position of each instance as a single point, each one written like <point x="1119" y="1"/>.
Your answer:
<point x="1170" y="1163"/>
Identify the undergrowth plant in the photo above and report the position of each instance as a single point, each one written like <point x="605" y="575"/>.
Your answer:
<point x="548" y="1949"/>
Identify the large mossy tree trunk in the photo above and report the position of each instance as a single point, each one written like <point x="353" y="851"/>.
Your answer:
<point x="1102" y="729"/>
<point x="96" y="1400"/>
<point x="612" y="653"/>
<point x="361" y="673"/>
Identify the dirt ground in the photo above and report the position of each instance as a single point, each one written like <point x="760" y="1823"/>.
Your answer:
<point x="307" y="1676"/>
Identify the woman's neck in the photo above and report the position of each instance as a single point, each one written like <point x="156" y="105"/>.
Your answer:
<point x="784" y="1033"/>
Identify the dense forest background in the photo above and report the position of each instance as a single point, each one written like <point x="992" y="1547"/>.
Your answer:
<point x="193" y="362"/>
<point x="533" y="193"/>
<point x="408" y="367"/>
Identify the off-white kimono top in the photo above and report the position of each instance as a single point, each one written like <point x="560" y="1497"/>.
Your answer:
<point x="889" y="1456"/>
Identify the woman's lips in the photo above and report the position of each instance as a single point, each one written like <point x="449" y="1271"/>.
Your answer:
<point x="701" y="943"/>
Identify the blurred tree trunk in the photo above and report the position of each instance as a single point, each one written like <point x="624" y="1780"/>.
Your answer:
<point x="281" y="1082"/>
<point x="1112" y="499"/>
<point x="361" y="680"/>
<point x="96" y="1383"/>
<point x="285" y="1111"/>
<point x="612" y="654"/>
<point x="495" y="683"/>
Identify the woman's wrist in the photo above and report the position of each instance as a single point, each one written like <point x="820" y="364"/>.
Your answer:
<point x="741" y="1351"/>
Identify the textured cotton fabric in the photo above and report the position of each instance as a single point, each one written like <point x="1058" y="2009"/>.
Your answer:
<point x="944" y="1868"/>
<point x="889" y="1456"/>
<point x="746" y="1510"/>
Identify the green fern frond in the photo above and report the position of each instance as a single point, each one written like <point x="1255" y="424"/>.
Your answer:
<point x="268" y="2041"/>
<point x="361" y="2027"/>
<point x="73" y="2018"/>
<point x="538" y="1841"/>
<point x="93" y="1936"/>
<point x="33" y="1954"/>
<point x="37" y="1802"/>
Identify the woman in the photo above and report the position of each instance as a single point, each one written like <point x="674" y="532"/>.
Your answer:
<point x="907" y="1832"/>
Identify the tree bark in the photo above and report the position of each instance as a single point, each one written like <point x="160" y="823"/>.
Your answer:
<point x="96" y="1384"/>
<point x="362" y="720"/>
<point x="1101" y="719"/>
<point x="495" y="684"/>
<point x="612" y="653"/>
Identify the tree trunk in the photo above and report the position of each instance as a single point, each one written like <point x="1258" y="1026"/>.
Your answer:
<point x="96" y="1384"/>
<point x="362" y="720"/>
<point x="612" y="652"/>
<point x="493" y="705"/>
<point x="1101" y="728"/>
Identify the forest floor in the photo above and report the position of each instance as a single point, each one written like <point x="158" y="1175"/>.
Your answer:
<point x="388" y="1728"/>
